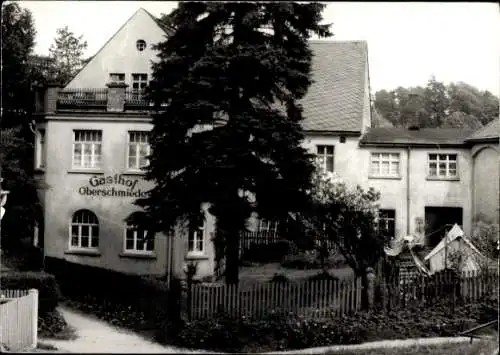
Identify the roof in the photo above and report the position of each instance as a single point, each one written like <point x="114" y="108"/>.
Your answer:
<point x="335" y="100"/>
<point x="161" y="24"/>
<point x="378" y="120"/>
<point x="397" y="136"/>
<point x="489" y="132"/>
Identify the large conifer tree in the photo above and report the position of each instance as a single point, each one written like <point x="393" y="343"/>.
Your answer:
<point x="243" y="67"/>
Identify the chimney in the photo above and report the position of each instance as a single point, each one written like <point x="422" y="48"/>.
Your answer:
<point x="40" y="93"/>
<point x="116" y="97"/>
<point x="50" y="98"/>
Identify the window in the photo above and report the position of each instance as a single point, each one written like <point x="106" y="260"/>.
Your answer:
<point x="342" y="139"/>
<point x="137" y="240"/>
<point x="84" y="230"/>
<point x="386" y="223"/>
<point x="87" y="149"/>
<point x="41" y="159"/>
<point x="117" y="78"/>
<point x="140" y="45"/>
<point x="325" y="157"/>
<point x="443" y="165"/>
<point x="268" y="226"/>
<point x="384" y="164"/>
<point x="138" y="150"/>
<point x="139" y="82"/>
<point x="196" y="239"/>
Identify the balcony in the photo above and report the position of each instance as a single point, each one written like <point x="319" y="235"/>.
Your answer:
<point x="115" y="99"/>
<point x="86" y="99"/>
<point x="135" y="100"/>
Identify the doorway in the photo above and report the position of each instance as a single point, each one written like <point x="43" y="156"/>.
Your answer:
<point x="438" y="220"/>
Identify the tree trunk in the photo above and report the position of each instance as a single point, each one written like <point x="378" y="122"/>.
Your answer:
<point x="364" y="290"/>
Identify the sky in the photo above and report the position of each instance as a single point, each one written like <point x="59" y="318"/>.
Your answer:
<point x="407" y="42"/>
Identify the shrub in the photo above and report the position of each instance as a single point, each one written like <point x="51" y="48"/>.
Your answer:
<point x="268" y="253"/>
<point x="53" y="325"/>
<point x="46" y="284"/>
<point x="131" y="301"/>
<point x="24" y="258"/>
<point x="287" y="332"/>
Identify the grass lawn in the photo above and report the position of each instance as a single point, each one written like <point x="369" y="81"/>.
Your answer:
<point x="478" y="347"/>
<point x="265" y="272"/>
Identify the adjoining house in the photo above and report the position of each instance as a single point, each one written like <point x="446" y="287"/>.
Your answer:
<point x="431" y="178"/>
<point x="93" y="141"/>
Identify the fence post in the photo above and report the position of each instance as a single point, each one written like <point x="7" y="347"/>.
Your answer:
<point x="34" y="299"/>
<point x="370" y="284"/>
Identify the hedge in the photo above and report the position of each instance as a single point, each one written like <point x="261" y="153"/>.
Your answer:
<point x="48" y="290"/>
<point x="288" y="332"/>
<point x="136" y="302"/>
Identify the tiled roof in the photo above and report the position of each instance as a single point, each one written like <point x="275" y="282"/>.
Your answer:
<point x="488" y="132"/>
<point x="161" y="24"/>
<point x="335" y="100"/>
<point x="422" y="136"/>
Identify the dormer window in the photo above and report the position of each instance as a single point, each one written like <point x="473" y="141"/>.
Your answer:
<point x="141" y="45"/>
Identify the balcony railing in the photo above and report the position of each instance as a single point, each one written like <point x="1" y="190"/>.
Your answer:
<point x="82" y="98"/>
<point x="136" y="100"/>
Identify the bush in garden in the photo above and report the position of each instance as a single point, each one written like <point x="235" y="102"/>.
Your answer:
<point x="281" y="331"/>
<point x="46" y="284"/>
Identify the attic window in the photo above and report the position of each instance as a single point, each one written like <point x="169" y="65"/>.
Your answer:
<point x="141" y="45"/>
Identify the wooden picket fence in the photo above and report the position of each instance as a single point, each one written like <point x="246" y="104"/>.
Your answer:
<point x="19" y="319"/>
<point x="313" y="299"/>
<point x="444" y="286"/>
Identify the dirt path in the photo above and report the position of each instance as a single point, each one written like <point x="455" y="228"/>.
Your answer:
<point x="96" y="336"/>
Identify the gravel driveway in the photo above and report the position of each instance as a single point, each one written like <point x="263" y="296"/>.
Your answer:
<point x="96" y="336"/>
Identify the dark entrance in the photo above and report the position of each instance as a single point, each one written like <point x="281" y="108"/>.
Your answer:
<point x="438" y="220"/>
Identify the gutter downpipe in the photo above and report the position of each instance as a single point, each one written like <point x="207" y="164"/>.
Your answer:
<point x="408" y="190"/>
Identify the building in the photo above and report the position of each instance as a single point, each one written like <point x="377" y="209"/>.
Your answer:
<point x="92" y="143"/>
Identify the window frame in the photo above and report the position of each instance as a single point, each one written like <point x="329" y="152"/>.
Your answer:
<point x="191" y="232"/>
<point x="93" y="153"/>
<point x="139" y="90"/>
<point x="127" y="227"/>
<point x="140" y="41"/>
<point x="387" y="220"/>
<point x="79" y="236"/>
<point x="323" y="164"/>
<point x="380" y="174"/>
<point x="137" y="146"/>
<point x="120" y="81"/>
<point x="447" y="162"/>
